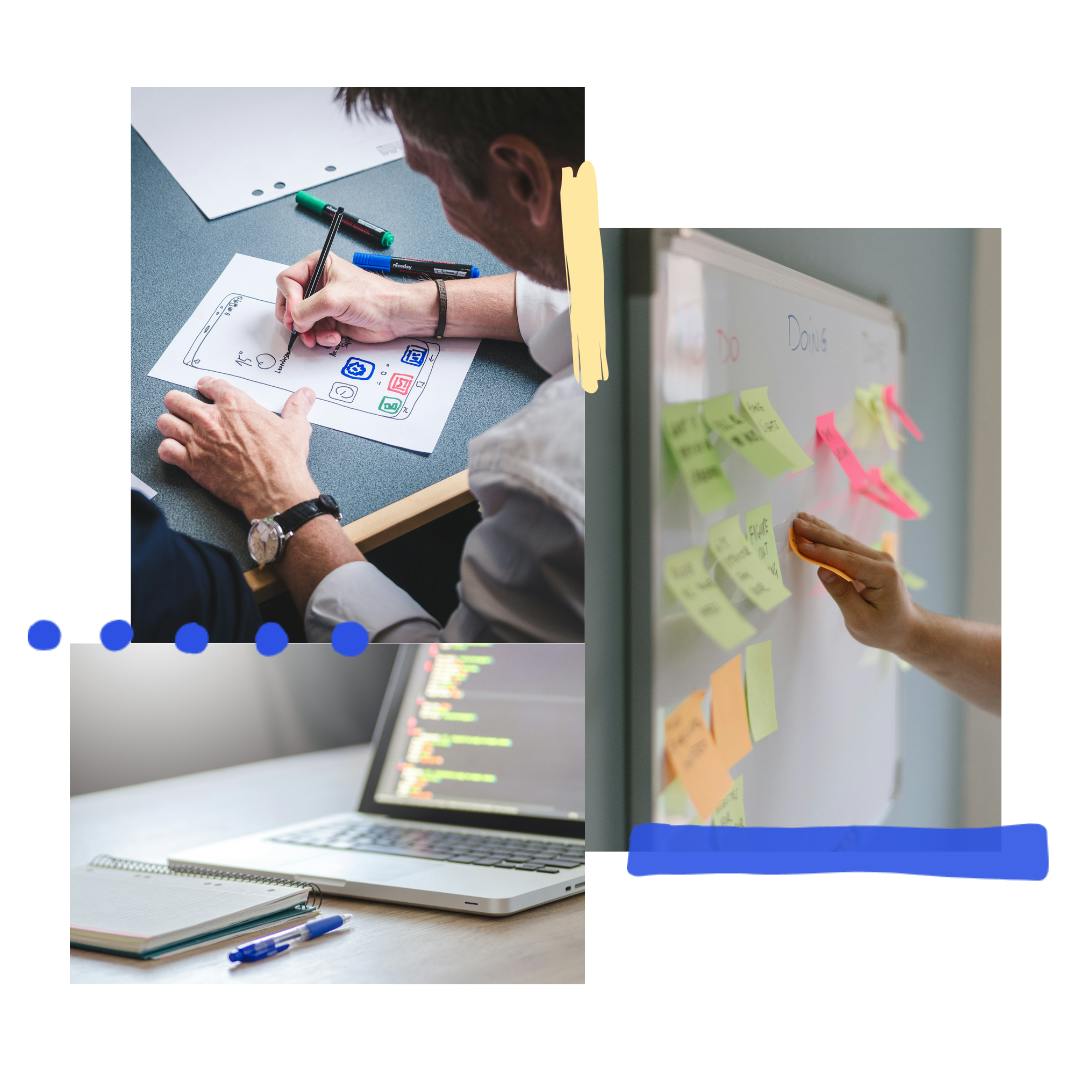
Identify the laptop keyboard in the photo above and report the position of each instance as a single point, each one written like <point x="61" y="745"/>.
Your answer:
<point x="505" y="852"/>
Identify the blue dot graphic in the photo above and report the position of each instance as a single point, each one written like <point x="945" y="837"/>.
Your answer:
<point x="116" y="635"/>
<point x="43" y="635"/>
<point x="192" y="638"/>
<point x="349" y="638"/>
<point x="270" y="639"/>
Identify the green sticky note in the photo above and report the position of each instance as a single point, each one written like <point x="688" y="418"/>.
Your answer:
<point x="723" y="416"/>
<point x="760" y="535"/>
<point x="904" y="488"/>
<point x="883" y="416"/>
<point x="764" y="417"/>
<point x="675" y="803"/>
<point x="690" y="581"/>
<point x="760" y="694"/>
<point x="732" y="811"/>
<point x="688" y="439"/>
<point x="734" y="553"/>
<point x="912" y="580"/>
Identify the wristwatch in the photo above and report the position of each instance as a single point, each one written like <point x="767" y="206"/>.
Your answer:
<point x="267" y="536"/>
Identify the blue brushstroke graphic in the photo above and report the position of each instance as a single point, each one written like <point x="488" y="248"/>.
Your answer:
<point x="1012" y="851"/>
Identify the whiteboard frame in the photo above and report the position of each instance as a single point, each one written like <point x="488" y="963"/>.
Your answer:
<point x="645" y="324"/>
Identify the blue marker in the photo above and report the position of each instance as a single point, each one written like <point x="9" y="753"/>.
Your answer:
<point x="275" y="943"/>
<point x="413" y="267"/>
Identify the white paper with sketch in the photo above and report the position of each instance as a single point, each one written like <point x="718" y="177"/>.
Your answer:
<point x="231" y="147"/>
<point x="400" y="392"/>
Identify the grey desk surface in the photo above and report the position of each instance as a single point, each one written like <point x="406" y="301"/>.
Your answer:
<point x="384" y="943"/>
<point x="176" y="255"/>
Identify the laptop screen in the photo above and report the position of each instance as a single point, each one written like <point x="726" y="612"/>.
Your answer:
<point x="490" y="729"/>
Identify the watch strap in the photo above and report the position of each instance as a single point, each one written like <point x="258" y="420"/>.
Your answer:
<point x="290" y="520"/>
<point x="440" y="326"/>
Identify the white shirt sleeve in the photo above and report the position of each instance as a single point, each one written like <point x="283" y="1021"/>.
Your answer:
<point x="537" y="306"/>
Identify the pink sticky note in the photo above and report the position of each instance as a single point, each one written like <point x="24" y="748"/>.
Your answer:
<point x="892" y="501"/>
<point x="849" y="461"/>
<point x="889" y="397"/>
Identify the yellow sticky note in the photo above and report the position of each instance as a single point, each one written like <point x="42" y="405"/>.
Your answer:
<point x="675" y="806"/>
<point x="734" y="554"/>
<point x="694" y="588"/>
<point x="724" y="417"/>
<point x="688" y="439"/>
<point x="883" y="416"/>
<point x="759" y="534"/>
<point x="730" y="726"/>
<point x="905" y="489"/>
<point x="806" y="558"/>
<point x="694" y="755"/>
<point x="760" y="693"/>
<point x="764" y="417"/>
<point x="732" y="811"/>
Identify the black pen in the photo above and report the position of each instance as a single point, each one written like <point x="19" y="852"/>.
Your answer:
<point x="313" y="281"/>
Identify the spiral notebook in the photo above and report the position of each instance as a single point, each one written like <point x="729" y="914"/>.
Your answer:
<point x="147" y="910"/>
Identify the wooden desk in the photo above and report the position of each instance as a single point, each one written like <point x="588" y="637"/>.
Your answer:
<point x="385" y="942"/>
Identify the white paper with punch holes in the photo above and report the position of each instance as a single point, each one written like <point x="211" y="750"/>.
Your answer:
<point x="400" y="392"/>
<point x="234" y="147"/>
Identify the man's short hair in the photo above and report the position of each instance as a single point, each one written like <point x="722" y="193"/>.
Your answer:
<point x="463" y="122"/>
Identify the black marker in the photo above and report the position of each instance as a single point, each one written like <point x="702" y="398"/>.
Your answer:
<point x="316" y="277"/>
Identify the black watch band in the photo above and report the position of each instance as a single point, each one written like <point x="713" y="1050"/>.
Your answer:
<point x="440" y="326"/>
<point x="290" y="520"/>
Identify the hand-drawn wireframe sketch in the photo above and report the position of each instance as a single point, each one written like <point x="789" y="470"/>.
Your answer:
<point x="398" y="392"/>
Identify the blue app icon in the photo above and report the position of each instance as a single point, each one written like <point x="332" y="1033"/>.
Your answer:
<point x="415" y="355"/>
<point x="355" y="368"/>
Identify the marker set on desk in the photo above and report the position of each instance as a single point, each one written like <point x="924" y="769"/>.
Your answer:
<point x="423" y="268"/>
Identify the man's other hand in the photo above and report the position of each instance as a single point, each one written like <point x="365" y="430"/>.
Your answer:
<point x="242" y="453"/>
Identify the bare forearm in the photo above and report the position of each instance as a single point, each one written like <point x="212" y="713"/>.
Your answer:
<point x="478" y="307"/>
<point x="963" y="656"/>
<point x="314" y="550"/>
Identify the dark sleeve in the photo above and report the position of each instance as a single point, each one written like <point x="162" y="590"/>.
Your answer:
<point x="177" y="580"/>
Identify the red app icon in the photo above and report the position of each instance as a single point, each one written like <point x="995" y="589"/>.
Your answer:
<point x="399" y="384"/>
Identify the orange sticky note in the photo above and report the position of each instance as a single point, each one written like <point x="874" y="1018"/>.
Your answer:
<point x="694" y="756"/>
<point x="730" y="725"/>
<point x="806" y="558"/>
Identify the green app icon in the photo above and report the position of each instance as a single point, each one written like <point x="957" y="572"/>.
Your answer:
<point x="390" y="405"/>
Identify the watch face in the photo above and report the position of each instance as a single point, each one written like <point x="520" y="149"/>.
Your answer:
<point x="264" y="541"/>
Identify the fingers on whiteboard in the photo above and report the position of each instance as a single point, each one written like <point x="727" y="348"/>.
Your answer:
<point x="824" y="533"/>
<point x="860" y="567"/>
<point x="845" y="593"/>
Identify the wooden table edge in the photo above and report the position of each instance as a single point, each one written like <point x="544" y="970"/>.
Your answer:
<point x="381" y="526"/>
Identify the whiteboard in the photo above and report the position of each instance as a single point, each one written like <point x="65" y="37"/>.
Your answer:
<point x="722" y="321"/>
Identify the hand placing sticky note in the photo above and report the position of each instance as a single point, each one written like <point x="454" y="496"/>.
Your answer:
<point x="760" y="693"/>
<point x="725" y="418"/>
<point x="688" y="440"/>
<point x="813" y="562"/>
<point x="694" y="756"/>
<point x="750" y="574"/>
<point x="730" y="725"/>
<point x="759" y="534"/>
<point x="689" y="580"/>
<point x="732" y="811"/>
<point x="765" y="418"/>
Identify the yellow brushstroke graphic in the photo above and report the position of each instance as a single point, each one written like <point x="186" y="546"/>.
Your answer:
<point x="584" y="275"/>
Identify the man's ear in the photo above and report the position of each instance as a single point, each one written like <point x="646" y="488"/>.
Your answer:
<point x="520" y="168"/>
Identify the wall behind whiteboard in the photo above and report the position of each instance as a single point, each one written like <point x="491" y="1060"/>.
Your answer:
<point x="924" y="275"/>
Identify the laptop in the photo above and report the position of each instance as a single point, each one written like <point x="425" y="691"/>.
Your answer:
<point x="474" y="799"/>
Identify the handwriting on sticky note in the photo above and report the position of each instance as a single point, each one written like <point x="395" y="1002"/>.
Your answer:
<point x="905" y="489"/>
<point x="888" y="395"/>
<point x="759" y="533"/>
<point x="726" y="419"/>
<point x="694" y="756"/>
<point x="730" y="725"/>
<point x="750" y="574"/>
<point x="813" y="562"/>
<point x="765" y="418"/>
<point x="760" y="692"/>
<point x="688" y="440"/>
<point x="689" y="580"/>
<point x="732" y="811"/>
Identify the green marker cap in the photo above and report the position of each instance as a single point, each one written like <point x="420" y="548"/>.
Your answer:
<point x="309" y="202"/>
<point x="387" y="239"/>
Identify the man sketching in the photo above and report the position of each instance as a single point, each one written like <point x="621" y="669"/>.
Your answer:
<point x="496" y="157"/>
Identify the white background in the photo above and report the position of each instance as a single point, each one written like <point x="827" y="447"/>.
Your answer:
<point x="793" y="114"/>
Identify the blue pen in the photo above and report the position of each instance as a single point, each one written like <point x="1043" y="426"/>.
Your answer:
<point x="275" y="943"/>
<point x="413" y="267"/>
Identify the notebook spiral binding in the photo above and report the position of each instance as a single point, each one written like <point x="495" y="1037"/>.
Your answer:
<point x="111" y="862"/>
